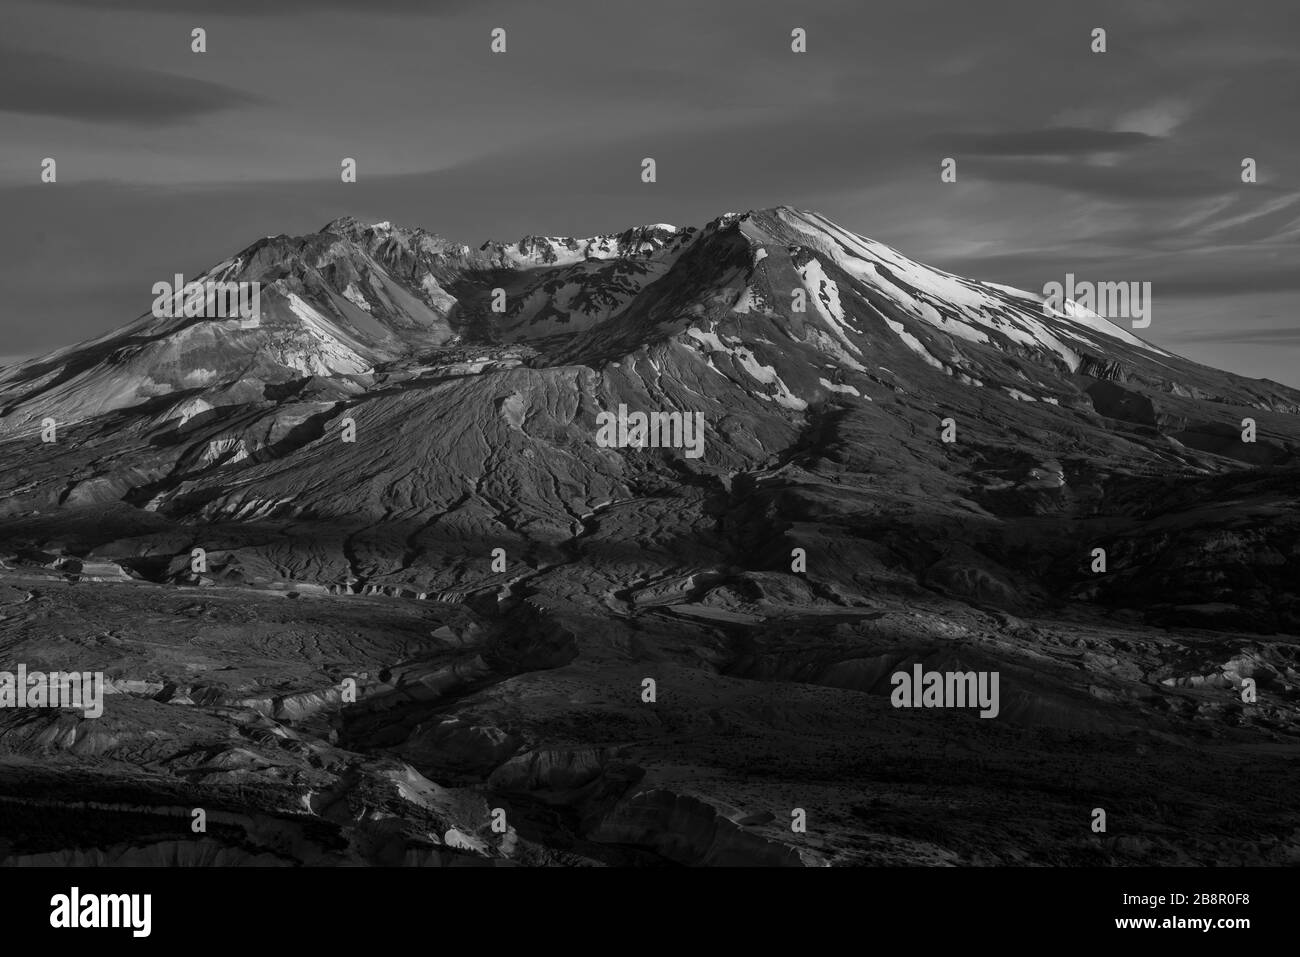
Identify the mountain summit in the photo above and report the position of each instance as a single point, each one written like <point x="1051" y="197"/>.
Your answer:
<point x="355" y="298"/>
<point x="473" y="380"/>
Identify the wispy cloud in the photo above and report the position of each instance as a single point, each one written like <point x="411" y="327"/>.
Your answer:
<point x="46" y="84"/>
<point x="1052" y="141"/>
<point x="1155" y="119"/>
<point x="1282" y="335"/>
<point x="1127" y="181"/>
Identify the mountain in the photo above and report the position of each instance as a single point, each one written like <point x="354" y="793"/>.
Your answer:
<point x="826" y="370"/>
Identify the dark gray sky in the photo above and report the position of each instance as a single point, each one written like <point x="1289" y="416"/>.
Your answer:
<point x="1116" y="166"/>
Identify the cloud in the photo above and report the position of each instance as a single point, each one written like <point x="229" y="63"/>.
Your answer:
<point x="45" y="84"/>
<point x="1271" y="207"/>
<point x="1053" y="141"/>
<point x="1282" y="335"/>
<point x="1155" y="119"/>
<point x="1125" y="181"/>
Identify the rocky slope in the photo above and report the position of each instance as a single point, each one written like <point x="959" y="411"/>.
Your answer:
<point x="826" y="369"/>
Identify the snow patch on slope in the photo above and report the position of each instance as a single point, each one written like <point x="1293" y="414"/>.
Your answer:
<point x="743" y="357"/>
<point x="839" y="387"/>
<point x="1086" y="317"/>
<point x="867" y="260"/>
<point x="914" y="344"/>
<point x="826" y="297"/>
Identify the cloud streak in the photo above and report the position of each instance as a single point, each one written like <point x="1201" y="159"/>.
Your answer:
<point x="45" y="84"/>
<point x="1052" y="141"/>
<point x="1280" y="335"/>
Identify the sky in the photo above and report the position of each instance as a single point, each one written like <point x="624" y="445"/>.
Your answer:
<point x="1115" y="166"/>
